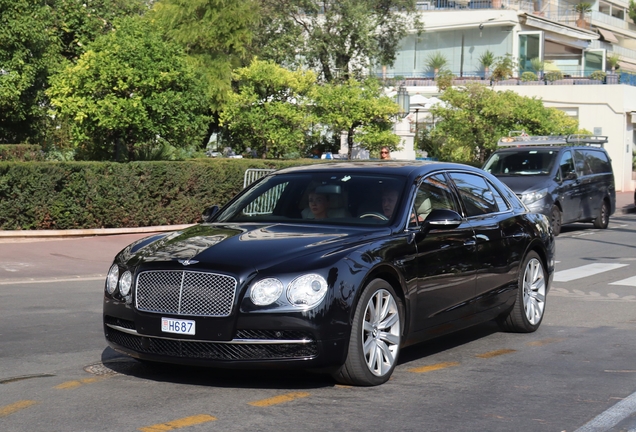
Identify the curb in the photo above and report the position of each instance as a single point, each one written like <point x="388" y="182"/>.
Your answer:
<point x="88" y="232"/>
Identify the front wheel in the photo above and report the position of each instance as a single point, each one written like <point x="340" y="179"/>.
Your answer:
<point x="527" y="313"/>
<point x="602" y="220"/>
<point x="375" y="339"/>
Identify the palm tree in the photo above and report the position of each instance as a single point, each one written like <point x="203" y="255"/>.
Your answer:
<point x="582" y="8"/>
<point x="436" y="61"/>
<point x="486" y="60"/>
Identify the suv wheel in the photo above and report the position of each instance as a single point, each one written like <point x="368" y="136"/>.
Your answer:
<point x="555" y="220"/>
<point x="602" y="220"/>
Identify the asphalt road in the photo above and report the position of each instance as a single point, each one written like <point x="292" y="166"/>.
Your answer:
<point x="57" y="374"/>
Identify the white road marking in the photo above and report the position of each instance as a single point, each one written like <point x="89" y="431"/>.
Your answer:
<point x="611" y="417"/>
<point x="627" y="282"/>
<point x="585" y="271"/>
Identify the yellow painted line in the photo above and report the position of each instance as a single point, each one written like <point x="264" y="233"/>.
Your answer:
<point x="545" y="341"/>
<point x="74" y="384"/>
<point x="20" y="405"/>
<point x="492" y="354"/>
<point x="279" y="399"/>
<point x="433" y="367"/>
<point x="180" y="423"/>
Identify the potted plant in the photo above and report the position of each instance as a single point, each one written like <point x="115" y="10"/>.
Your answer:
<point x="612" y="61"/>
<point x="504" y="68"/>
<point x="486" y="60"/>
<point x="538" y="65"/>
<point x="582" y="9"/>
<point x="436" y="61"/>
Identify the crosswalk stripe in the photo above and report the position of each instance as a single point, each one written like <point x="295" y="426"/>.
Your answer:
<point x="627" y="282"/>
<point x="585" y="271"/>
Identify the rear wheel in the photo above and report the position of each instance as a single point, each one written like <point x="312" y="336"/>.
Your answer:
<point x="375" y="339"/>
<point x="602" y="220"/>
<point x="527" y="313"/>
<point x="555" y="220"/>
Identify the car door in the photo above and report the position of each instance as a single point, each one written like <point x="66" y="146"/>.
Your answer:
<point x="499" y="239"/>
<point x="445" y="259"/>
<point x="569" y="189"/>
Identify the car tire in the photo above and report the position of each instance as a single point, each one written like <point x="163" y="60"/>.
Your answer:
<point x="602" y="220"/>
<point x="376" y="336"/>
<point x="527" y="313"/>
<point x="556" y="219"/>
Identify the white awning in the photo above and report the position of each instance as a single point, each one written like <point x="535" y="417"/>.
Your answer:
<point x="559" y="29"/>
<point x="607" y="35"/>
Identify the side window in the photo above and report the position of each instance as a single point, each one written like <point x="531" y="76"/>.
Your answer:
<point x="598" y="161"/>
<point x="566" y="164"/>
<point x="475" y="193"/>
<point x="501" y="202"/>
<point x="432" y="193"/>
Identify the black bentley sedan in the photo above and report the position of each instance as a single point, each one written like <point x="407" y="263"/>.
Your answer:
<point x="334" y="267"/>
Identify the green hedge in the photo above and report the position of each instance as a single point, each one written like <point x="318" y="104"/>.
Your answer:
<point x="73" y="195"/>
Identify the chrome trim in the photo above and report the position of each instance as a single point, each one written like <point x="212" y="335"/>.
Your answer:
<point x="232" y="342"/>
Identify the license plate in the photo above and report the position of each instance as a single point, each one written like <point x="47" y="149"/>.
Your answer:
<point x="170" y="325"/>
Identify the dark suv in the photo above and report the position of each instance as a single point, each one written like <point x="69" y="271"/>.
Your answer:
<point x="569" y="179"/>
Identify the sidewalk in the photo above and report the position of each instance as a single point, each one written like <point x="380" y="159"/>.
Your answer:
<point x="624" y="205"/>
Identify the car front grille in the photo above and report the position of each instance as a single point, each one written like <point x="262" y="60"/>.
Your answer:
<point x="214" y="350"/>
<point x="182" y="292"/>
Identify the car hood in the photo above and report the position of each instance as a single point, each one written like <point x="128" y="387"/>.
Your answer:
<point x="520" y="184"/>
<point x="236" y="247"/>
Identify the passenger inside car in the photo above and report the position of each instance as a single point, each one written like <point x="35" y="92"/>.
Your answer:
<point x="323" y="205"/>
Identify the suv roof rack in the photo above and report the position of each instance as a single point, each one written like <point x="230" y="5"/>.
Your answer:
<point x="522" y="139"/>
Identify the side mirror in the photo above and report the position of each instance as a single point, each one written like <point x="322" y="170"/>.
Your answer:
<point x="209" y="213"/>
<point x="441" y="219"/>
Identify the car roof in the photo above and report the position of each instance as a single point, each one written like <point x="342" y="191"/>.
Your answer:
<point x="403" y="168"/>
<point x="554" y="148"/>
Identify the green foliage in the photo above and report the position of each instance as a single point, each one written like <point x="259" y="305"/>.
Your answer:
<point x="537" y="64"/>
<point x="436" y="61"/>
<point x="74" y="195"/>
<point x="487" y="59"/>
<point x="612" y="60"/>
<point x="528" y="76"/>
<point x="21" y="152"/>
<point x="475" y="117"/>
<point x="444" y="79"/>
<point x="504" y="68"/>
<point x="131" y="88"/>
<point x="216" y="34"/>
<point x="29" y="50"/>
<point x="554" y="76"/>
<point x="598" y="75"/>
<point x="583" y="8"/>
<point x="632" y="10"/>
<point x="360" y="110"/>
<point x="341" y="39"/>
<point x="269" y="113"/>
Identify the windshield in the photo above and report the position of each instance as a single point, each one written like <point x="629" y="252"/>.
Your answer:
<point x="521" y="162"/>
<point x="317" y="198"/>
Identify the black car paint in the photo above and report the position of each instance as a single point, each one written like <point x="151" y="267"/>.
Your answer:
<point x="419" y="265"/>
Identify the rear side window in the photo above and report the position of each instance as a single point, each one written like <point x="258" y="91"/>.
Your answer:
<point x="477" y="195"/>
<point x="590" y="161"/>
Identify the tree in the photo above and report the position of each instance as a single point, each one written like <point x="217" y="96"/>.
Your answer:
<point x="128" y="90"/>
<point x="28" y="52"/>
<point x="216" y="34"/>
<point x="360" y="110"/>
<point x="269" y="111"/>
<point x="473" y="118"/>
<point x="340" y="39"/>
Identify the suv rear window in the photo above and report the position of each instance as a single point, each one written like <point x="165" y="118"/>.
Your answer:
<point x="521" y="162"/>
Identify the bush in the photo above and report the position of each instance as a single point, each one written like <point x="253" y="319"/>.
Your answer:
<point x="553" y="76"/>
<point x="21" y="152"/>
<point x="528" y="76"/>
<point x="598" y="75"/>
<point x="81" y="195"/>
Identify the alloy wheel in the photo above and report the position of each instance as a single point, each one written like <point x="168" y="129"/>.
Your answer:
<point x="381" y="332"/>
<point x="534" y="285"/>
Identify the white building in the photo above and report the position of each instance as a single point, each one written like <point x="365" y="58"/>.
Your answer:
<point x="574" y="43"/>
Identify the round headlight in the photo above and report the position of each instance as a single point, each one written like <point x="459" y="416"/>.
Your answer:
<point x="266" y="291"/>
<point x="112" y="278"/>
<point x="307" y="290"/>
<point x="124" y="283"/>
